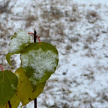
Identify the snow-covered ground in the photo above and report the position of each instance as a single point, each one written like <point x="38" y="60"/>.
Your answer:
<point x="79" y="30"/>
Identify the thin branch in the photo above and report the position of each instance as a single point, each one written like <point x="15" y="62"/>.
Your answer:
<point x="35" y="103"/>
<point x="35" y="100"/>
<point x="35" y="36"/>
<point x="10" y="106"/>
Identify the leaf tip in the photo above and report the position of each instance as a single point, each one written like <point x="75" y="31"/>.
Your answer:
<point x="8" y="56"/>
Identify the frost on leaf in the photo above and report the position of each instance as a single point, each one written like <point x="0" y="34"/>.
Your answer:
<point x="18" y="42"/>
<point x="40" y="61"/>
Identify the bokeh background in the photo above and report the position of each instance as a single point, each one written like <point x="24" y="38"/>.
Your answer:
<point x="79" y="30"/>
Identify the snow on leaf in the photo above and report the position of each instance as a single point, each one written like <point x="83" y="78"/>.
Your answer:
<point x="18" y="42"/>
<point x="40" y="61"/>
<point x="8" y="85"/>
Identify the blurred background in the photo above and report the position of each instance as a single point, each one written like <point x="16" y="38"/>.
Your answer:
<point x="79" y="30"/>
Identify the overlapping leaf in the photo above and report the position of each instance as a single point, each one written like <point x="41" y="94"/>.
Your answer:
<point x="40" y="61"/>
<point x="8" y="85"/>
<point x="18" y="42"/>
<point x="14" y="101"/>
<point x="25" y="91"/>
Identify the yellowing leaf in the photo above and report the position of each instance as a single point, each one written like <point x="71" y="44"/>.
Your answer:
<point x="14" y="101"/>
<point x="8" y="85"/>
<point x="25" y="91"/>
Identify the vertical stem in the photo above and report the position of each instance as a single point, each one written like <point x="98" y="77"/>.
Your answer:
<point x="9" y="104"/>
<point x="35" y="100"/>
<point x="34" y="36"/>
<point x="35" y="103"/>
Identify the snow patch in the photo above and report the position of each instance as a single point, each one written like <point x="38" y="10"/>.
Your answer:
<point x="41" y="61"/>
<point x="19" y="40"/>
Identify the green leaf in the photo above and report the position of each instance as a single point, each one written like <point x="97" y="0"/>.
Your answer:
<point x="40" y="61"/>
<point x="8" y="56"/>
<point x="25" y="90"/>
<point x="14" y="101"/>
<point x="17" y="44"/>
<point x="8" y="85"/>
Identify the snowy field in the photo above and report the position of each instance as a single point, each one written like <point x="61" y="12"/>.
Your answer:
<point x="79" y="30"/>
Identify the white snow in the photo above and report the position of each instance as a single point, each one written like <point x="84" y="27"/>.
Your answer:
<point x="20" y="39"/>
<point x="41" y="61"/>
<point x="79" y="30"/>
